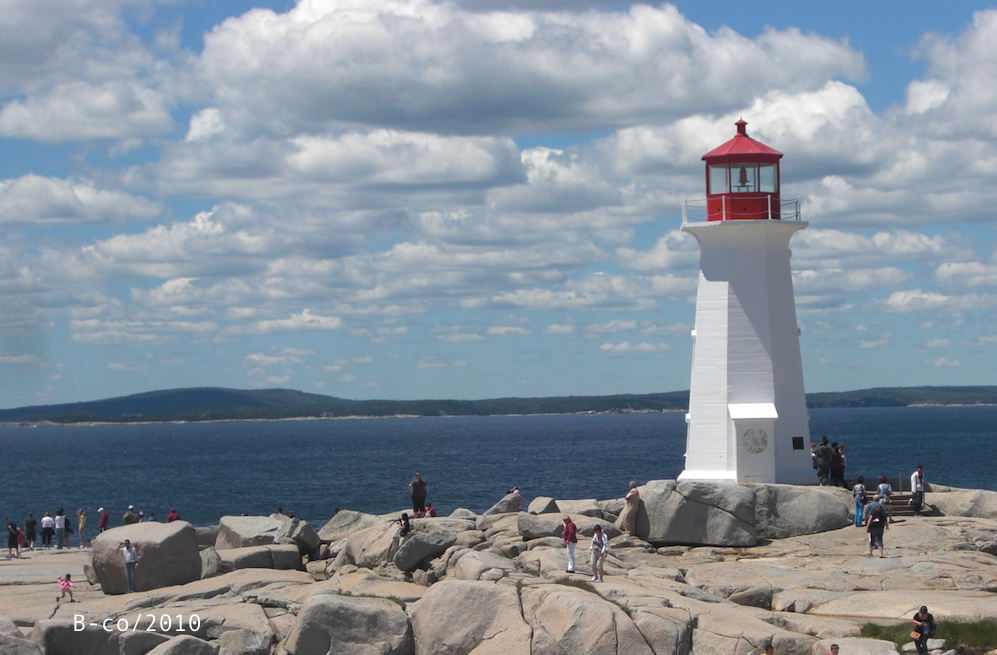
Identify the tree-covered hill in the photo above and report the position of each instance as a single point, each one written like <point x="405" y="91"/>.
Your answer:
<point x="206" y="404"/>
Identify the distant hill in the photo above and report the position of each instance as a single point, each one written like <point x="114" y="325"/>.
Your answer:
<point x="213" y="404"/>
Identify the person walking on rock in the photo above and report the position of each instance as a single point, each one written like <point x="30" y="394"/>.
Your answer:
<point x="600" y="550"/>
<point x="417" y="489"/>
<point x="102" y="521"/>
<point x="130" y="516"/>
<point x="131" y="561"/>
<point x="628" y="520"/>
<point x="570" y="536"/>
<point x="66" y="587"/>
<point x="30" y="525"/>
<point x="917" y="489"/>
<point x="859" y="493"/>
<point x="875" y="523"/>
<point x="924" y="629"/>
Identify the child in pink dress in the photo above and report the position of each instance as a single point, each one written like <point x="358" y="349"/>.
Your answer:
<point x="66" y="585"/>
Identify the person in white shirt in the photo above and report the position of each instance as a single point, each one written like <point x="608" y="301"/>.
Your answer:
<point x="600" y="549"/>
<point x="917" y="489"/>
<point x="48" y="529"/>
<point x="131" y="561"/>
<point x="60" y="528"/>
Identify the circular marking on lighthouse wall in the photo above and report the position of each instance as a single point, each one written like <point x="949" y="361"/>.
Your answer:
<point x="755" y="440"/>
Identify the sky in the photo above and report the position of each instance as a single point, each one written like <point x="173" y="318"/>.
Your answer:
<point x="410" y="199"/>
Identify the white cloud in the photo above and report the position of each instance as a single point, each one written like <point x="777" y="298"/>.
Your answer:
<point x="305" y="321"/>
<point x="559" y="328"/>
<point x="942" y="362"/>
<point x="505" y="331"/>
<point x="278" y="379"/>
<point x="413" y="65"/>
<point x="26" y="360"/>
<point x="36" y="200"/>
<point x="938" y="343"/>
<point x="616" y="325"/>
<point x="626" y="347"/>
<point x="876" y="343"/>
<point x="260" y="359"/>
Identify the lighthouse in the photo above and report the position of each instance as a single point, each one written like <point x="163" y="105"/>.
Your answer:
<point x="747" y="419"/>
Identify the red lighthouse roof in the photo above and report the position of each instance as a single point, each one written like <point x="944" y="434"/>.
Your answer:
<point x="742" y="148"/>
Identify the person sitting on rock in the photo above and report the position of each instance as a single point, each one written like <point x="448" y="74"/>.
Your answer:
<point x="925" y="628"/>
<point x="430" y="512"/>
<point x="404" y="527"/>
<point x="173" y="515"/>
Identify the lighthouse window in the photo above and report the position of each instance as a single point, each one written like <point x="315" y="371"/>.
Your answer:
<point x="767" y="178"/>
<point x="718" y="179"/>
<point x="744" y="177"/>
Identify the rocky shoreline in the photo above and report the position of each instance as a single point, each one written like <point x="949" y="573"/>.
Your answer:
<point x="713" y="569"/>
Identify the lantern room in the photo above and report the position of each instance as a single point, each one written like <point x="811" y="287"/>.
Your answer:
<point x="742" y="180"/>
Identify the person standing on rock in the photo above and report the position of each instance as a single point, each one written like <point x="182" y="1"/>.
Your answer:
<point x="629" y="518"/>
<point x="48" y="529"/>
<point x="859" y="493"/>
<point x="417" y="489"/>
<point x="570" y="536"/>
<point x="600" y="550"/>
<point x="924" y="628"/>
<point x="884" y="491"/>
<point x="13" y="548"/>
<point x="823" y="461"/>
<point x="102" y="522"/>
<point x="30" y="525"/>
<point x="837" y="466"/>
<point x="81" y="523"/>
<point x="131" y="561"/>
<point x="60" y="529"/>
<point x="875" y="523"/>
<point x="917" y="489"/>
<point x="130" y="516"/>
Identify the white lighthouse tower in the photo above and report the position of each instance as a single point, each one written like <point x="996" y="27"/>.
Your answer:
<point x="747" y="419"/>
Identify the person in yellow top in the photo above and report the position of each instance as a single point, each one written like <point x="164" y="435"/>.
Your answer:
<point x="81" y="521"/>
<point x="628" y="519"/>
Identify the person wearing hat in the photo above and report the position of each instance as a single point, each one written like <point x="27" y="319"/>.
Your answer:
<point x="130" y="516"/>
<point x="102" y="522"/>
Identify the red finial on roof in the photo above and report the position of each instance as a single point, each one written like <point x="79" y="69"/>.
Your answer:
<point x="741" y="126"/>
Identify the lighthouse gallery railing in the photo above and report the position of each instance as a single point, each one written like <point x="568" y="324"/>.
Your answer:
<point x="695" y="211"/>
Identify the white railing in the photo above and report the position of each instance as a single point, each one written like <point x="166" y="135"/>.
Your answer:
<point x="695" y="211"/>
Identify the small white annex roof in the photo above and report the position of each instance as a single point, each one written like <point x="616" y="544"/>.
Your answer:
<point x="740" y="411"/>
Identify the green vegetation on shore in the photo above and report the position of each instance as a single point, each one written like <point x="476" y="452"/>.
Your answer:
<point x="969" y="637"/>
<point x="215" y="404"/>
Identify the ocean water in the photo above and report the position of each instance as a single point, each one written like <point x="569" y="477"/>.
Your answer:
<point x="208" y="470"/>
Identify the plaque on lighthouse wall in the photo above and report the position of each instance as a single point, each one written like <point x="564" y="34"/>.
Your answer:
<point x="755" y="440"/>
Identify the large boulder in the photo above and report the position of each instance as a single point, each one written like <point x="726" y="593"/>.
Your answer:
<point x="419" y="547"/>
<point x="509" y="503"/>
<point x="471" y="618"/>
<point x="539" y="526"/>
<point x="373" y="546"/>
<point x="345" y="523"/>
<point x="977" y="503"/>
<point x="11" y="645"/>
<point x="242" y="531"/>
<point x="571" y="620"/>
<point x="300" y="532"/>
<point x="62" y="637"/>
<point x="783" y="511"/>
<point x="542" y="505"/>
<point x="696" y="513"/>
<point x="481" y="565"/>
<point x="276" y="556"/>
<point x="330" y="624"/>
<point x="243" y="642"/>
<point x="575" y="508"/>
<point x="168" y="555"/>
<point x="184" y="645"/>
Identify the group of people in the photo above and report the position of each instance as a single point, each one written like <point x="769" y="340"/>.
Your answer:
<point x="53" y="530"/>
<point x="829" y="462"/>
<point x="924" y="629"/>
<point x="56" y="531"/>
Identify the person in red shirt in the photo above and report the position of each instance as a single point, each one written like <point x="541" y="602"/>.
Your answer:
<point x="104" y="517"/>
<point x="173" y="515"/>
<point x="430" y="512"/>
<point x="570" y="536"/>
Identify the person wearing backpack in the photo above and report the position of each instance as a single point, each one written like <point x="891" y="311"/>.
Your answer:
<point x="823" y="461"/>
<point x="859" y="493"/>
<point x="885" y="491"/>
<point x="875" y="525"/>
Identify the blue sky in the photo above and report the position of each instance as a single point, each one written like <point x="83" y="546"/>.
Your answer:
<point x="480" y="198"/>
